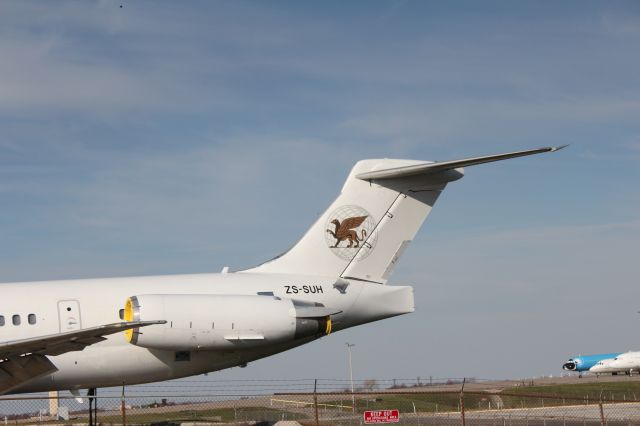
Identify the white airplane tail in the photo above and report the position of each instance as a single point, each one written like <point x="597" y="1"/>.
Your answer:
<point x="367" y="228"/>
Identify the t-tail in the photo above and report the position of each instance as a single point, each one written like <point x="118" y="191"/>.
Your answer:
<point x="383" y="203"/>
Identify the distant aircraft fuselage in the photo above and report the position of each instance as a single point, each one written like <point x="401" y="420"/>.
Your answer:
<point x="627" y="362"/>
<point x="585" y="362"/>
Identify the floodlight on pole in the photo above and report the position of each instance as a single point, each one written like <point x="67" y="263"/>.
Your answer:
<point x="353" y="397"/>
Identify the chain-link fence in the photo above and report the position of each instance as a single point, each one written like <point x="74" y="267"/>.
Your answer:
<point x="207" y="402"/>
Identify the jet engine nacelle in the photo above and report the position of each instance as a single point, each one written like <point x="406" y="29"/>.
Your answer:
<point x="219" y="322"/>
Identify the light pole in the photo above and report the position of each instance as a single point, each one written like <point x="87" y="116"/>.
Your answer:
<point x="353" y="397"/>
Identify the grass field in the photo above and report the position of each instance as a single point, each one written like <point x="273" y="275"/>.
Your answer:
<point x="414" y="402"/>
<point x="516" y="397"/>
<point x="623" y="391"/>
<point x="187" y="415"/>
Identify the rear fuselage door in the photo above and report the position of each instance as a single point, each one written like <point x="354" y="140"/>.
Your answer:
<point x="69" y="314"/>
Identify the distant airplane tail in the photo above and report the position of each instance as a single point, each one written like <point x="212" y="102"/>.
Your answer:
<point x="367" y="228"/>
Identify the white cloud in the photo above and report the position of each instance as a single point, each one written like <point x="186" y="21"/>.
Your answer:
<point x="163" y="137"/>
<point x="621" y="24"/>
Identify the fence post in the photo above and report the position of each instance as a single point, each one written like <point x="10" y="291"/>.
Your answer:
<point x="93" y="406"/>
<point x="315" y="400"/>
<point x="462" y="403"/>
<point x="603" y="422"/>
<point x="123" y="407"/>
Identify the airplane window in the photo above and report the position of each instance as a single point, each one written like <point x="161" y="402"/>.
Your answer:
<point x="1" y="320"/>
<point x="32" y="319"/>
<point x="121" y="314"/>
<point x="16" y="319"/>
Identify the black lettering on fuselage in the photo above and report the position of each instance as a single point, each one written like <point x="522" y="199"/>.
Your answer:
<point x="304" y="289"/>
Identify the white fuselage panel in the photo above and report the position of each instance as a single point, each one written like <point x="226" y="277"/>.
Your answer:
<point x="56" y="306"/>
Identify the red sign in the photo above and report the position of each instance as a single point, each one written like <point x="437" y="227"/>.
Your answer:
<point x="381" y="416"/>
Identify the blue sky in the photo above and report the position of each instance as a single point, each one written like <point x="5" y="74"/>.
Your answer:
<point x="171" y="137"/>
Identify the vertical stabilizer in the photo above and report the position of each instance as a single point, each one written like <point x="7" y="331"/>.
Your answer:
<point x="365" y="230"/>
<point x="368" y="227"/>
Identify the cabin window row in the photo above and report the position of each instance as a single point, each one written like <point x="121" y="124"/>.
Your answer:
<point x="17" y="320"/>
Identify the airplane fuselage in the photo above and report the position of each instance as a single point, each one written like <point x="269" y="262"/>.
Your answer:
<point x="60" y="306"/>
<point x="69" y="334"/>
<point x="583" y="363"/>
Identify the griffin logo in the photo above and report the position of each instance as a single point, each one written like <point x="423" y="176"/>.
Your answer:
<point x="344" y="230"/>
<point x="350" y="233"/>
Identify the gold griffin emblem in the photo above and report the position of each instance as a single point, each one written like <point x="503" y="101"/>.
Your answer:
<point x="346" y="231"/>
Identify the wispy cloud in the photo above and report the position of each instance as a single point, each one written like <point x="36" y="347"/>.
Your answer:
<point x="164" y="137"/>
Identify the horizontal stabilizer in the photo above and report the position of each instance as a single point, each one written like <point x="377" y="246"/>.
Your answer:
<point x="435" y="167"/>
